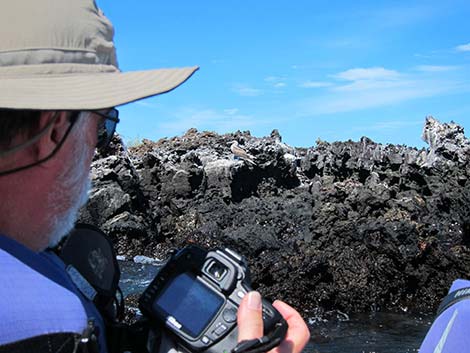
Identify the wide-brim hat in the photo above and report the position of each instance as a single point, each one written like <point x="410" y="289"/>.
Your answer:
<point x="60" y="55"/>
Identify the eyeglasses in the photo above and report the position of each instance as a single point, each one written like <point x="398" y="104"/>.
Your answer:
<point x="107" y="128"/>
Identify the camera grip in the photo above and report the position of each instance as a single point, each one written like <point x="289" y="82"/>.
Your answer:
<point x="275" y="329"/>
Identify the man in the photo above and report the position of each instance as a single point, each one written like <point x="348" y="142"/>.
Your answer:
<point x="59" y="82"/>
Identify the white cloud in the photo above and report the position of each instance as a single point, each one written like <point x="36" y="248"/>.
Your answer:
<point x="435" y="68"/>
<point x="463" y="47"/>
<point x="146" y="104"/>
<point x="315" y="84"/>
<point x="373" y="73"/>
<point x="348" y="43"/>
<point x="231" y="111"/>
<point x="207" y="119"/>
<point x="274" y="79"/>
<point x="425" y="56"/>
<point x="368" y="85"/>
<point x="392" y="125"/>
<point x="374" y="87"/>
<point x="247" y="91"/>
<point x="373" y="97"/>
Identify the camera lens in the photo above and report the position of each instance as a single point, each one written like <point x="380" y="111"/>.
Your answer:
<point x="217" y="270"/>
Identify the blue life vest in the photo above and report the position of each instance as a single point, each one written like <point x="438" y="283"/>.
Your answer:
<point x="37" y="296"/>
<point x="450" y="331"/>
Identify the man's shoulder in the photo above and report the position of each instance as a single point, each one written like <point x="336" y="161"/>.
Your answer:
<point x="31" y="303"/>
<point x="42" y="262"/>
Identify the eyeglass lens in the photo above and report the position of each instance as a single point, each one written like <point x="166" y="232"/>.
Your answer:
<point x="106" y="129"/>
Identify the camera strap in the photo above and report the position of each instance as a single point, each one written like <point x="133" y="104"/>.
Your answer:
<point x="91" y="264"/>
<point x="263" y="344"/>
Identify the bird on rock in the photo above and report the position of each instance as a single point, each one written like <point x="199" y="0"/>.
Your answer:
<point x="241" y="153"/>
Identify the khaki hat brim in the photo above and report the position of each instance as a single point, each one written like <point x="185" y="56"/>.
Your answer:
<point x="88" y="91"/>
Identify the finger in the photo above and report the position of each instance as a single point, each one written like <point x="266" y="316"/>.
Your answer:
<point x="298" y="333"/>
<point x="250" y="317"/>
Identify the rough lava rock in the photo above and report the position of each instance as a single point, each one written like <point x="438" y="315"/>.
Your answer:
<point x="351" y="226"/>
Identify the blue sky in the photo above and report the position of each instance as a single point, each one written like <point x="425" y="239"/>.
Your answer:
<point x="334" y="70"/>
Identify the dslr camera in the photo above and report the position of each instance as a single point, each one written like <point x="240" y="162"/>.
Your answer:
<point x="194" y="297"/>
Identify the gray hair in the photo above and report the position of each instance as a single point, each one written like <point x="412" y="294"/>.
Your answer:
<point x="14" y="122"/>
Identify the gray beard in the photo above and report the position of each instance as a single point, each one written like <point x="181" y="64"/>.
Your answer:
<point x="63" y="223"/>
<point x="71" y="189"/>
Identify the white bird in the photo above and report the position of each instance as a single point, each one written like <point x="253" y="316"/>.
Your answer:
<point x="241" y="153"/>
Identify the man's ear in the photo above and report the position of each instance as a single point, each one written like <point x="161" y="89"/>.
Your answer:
<point x="60" y="123"/>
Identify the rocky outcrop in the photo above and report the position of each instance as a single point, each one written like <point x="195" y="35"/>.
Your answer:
<point x="353" y="226"/>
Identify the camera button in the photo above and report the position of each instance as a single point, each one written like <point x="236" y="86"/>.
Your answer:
<point x="230" y="315"/>
<point x="220" y="330"/>
<point x="267" y="312"/>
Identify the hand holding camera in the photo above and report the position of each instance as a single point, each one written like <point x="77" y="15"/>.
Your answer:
<point x="250" y="324"/>
<point x="196" y="296"/>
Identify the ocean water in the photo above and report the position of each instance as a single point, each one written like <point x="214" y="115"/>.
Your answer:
<point x="371" y="333"/>
<point x="357" y="333"/>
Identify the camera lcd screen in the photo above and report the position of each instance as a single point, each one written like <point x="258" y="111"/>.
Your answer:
<point x="190" y="302"/>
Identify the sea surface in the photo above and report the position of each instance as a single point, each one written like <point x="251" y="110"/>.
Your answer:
<point x="357" y="333"/>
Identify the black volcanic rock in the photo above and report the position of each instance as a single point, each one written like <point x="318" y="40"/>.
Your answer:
<point x="353" y="226"/>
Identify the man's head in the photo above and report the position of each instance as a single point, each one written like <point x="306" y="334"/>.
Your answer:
<point x="19" y="125"/>
<point x="49" y="178"/>
<point x="58" y="77"/>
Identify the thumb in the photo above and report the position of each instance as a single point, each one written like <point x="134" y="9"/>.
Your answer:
<point x="250" y="317"/>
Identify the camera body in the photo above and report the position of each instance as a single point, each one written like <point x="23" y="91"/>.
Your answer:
<point x="196" y="296"/>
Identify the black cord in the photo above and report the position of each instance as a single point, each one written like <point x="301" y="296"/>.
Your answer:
<point x="73" y="119"/>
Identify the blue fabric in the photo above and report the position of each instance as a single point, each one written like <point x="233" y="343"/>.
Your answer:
<point x="450" y="331"/>
<point x="38" y="297"/>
